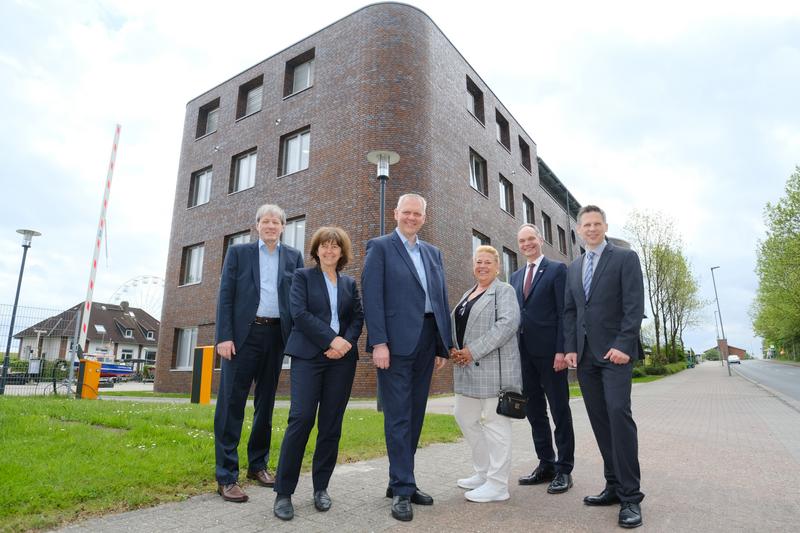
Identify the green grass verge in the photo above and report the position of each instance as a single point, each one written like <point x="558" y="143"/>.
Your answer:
<point x="64" y="460"/>
<point x="575" y="389"/>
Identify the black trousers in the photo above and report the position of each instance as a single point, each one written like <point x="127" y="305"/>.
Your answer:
<point x="259" y="361"/>
<point x="320" y="389"/>
<point x="543" y="385"/>
<point x="606" y="389"/>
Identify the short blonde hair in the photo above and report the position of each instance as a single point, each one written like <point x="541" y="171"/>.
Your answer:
<point x="486" y="249"/>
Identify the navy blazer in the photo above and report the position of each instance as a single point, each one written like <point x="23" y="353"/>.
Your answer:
<point x="394" y="300"/>
<point x="541" y="326"/>
<point x="612" y="314"/>
<point x="311" y="312"/>
<point x="240" y="291"/>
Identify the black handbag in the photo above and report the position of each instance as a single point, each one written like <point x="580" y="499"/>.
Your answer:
<point x="509" y="403"/>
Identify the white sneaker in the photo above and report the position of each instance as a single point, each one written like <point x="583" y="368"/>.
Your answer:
<point x="471" y="482"/>
<point x="488" y="492"/>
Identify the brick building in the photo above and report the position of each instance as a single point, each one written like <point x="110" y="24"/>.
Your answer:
<point x="295" y="130"/>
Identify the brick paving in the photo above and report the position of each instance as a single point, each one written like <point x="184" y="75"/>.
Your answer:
<point x="717" y="453"/>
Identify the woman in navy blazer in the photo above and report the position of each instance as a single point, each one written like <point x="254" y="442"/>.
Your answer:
<point x="327" y="319"/>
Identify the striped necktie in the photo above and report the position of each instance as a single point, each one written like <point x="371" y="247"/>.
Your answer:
<point x="587" y="277"/>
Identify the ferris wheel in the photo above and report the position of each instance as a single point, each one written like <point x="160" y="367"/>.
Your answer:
<point x="143" y="292"/>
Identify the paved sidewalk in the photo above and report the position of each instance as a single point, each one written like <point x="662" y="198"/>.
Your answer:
<point x="717" y="454"/>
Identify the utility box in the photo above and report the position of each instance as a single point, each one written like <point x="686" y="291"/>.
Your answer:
<point x="88" y="379"/>
<point x="202" y="372"/>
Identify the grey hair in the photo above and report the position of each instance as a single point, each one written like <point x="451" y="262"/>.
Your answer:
<point x="271" y="209"/>
<point x="533" y="227"/>
<point x="591" y="209"/>
<point x="414" y="196"/>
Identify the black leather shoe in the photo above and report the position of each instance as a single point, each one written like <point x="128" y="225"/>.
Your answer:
<point x="607" y="497"/>
<point x="283" y="507"/>
<point x="321" y="500"/>
<point x="419" y="497"/>
<point x="538" y="476"/>
<point x="630" y="515"/>
<point x="561" y="483"/>
<point x="401" y="508"/>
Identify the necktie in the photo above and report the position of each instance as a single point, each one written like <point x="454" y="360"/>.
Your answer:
<point x="526" y="288"/>
<point x="587" y="278"/>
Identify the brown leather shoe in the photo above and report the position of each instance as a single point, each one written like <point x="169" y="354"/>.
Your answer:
<point x="262" y="477"/>
<point x="232" y="493"/>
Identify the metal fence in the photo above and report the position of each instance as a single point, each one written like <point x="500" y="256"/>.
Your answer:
<point x="40" y="365"/>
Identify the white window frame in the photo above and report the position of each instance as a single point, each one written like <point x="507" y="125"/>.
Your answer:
<point x="186" y="342"/>
<point x="212" y="120"/>
<point x="200" y="187"/>
<point x="506" y="193"/>
<point x="253" y="100"/>
<point x="529" y="217"/>
<point x="477" y="178"/>
<point x="151" y="335"/>
<point x="128" y="333"/>
<point x="193" y="266"/>
<point x="244" y="173"/>
<point x="508" y="267"/>
<point x="294" y="234"/>
<point x="478" y="241"/>
<point x="296" y="152"/>
<point x="302" y="76"/>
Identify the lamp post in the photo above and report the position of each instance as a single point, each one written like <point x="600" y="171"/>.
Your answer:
<point x="716" y="324"/>
<point x="27" y="237"/>
<point x="383" y="159"/>
<point x="722" y="356"/>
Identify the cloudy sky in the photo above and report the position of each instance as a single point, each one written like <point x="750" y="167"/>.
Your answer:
<point x="690" y="108"/>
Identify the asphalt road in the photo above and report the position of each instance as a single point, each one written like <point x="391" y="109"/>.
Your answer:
<point x="777" y="376"/>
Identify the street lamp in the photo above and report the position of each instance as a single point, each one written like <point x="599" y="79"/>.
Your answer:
<point x="27" y="237"/>
<point x="716" y="324"/>
<point x="383" y="159"/>
<point x="722" y="356"/>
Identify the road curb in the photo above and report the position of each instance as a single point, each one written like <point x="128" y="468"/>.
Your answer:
<point x="794" y="404"/>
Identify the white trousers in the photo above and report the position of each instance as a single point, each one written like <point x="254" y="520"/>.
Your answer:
<point x="489" y="436"/>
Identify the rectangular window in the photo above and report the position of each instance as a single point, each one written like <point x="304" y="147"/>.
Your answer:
<point x="506" y="196"/>
<point x="243" y="171"/>
<point x="509" y="263"/>
<point x="525" y="154"/>
<point x="208" y="118"/>
<point x="250" y="96"/>
<point x="475" y="100"/>
<point x="192" y="264"/>
<point x="299" y="73"/>
<point x="150" y="356"/>
<point x="562" y="240"/>
<point x="294" y="234"/>
<point x="242" y="237"/>
<point x="184" y="348"/>
<point x="295" y="149"/>
<point x="547" y="226"/>
<point x="127" y="354"/>
<point x="529" y="213"/>
<point x="151" y="335"/>
<point x="128" y="333"/>
<point x="478" y="239"/>
<point x="100" y="328"/>
<point x="200" y="187"/>
<point x="503" y="135"/>
<point x="477" y="173"/>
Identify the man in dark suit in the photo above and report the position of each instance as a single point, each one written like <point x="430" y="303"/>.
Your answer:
<point x="540" y="292"/>
<point x="408" y="327"/>
<point x="253" y="323"/>
<point x="603" y="309"/>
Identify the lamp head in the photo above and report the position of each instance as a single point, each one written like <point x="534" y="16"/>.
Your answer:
<point x="383" y="159"/>
<point x="27" y="236"/>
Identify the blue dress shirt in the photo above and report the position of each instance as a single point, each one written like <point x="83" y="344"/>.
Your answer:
<point x="416" y="258"/>
<point x="334" y="303"/>
<point x="268" y="268"/>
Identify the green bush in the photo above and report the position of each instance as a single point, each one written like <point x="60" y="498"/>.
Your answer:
<point x="655" y="370"/>
<point x="674" y="368"/>
<point x="638" y="372"/>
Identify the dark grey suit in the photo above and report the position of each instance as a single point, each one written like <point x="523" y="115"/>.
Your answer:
<point x="610" y="317"/>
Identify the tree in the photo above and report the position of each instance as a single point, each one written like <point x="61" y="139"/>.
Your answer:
<point x="776" y="310"/>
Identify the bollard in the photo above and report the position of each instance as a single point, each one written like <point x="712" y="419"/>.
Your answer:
<point x="88" y="379"/>
<point x="202" y="371"/>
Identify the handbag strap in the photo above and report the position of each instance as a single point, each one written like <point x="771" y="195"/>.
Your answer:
<point x="499" y="359"/>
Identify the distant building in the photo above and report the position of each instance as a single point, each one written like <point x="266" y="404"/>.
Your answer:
<point x="118" y="332"/>
<point x="296" y="129"/>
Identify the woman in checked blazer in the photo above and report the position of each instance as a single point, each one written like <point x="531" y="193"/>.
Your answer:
<point x="484" y="325"/>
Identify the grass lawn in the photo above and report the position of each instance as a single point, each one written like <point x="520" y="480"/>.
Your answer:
<point x="575" y="390"/>
<point x="65" y="459"/>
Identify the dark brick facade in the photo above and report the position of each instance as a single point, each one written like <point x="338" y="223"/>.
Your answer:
<point x="385" y="77"/>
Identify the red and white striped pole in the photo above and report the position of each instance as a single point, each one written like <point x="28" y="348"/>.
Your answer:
<point x="87" y="309"/>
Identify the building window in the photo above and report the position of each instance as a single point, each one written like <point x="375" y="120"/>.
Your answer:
<point x="528" y="212"/>
<point x="294" y="152"/>
<point x="151" y="335"/>
<point x="192" y="264"/>
<point x="478" y="239"/>
<point x="127" y="354"/>
<point x="525" y="154"/>
<point x="200" y="187"/>
<point x="506" y="196"/>
<point x="250" y="96"/>
<point x="128" y="333"/>
<point x="243" y="171"/>
<point x="294" y="234"/>
<point x="503" y="135"/>
<point x="547" y="226"/>
<point x="572" y="235"/>
<point x="477" y="173"/>
<point x="100" y="328"/>
<point x="242" y="237"/>
<point x="150" y="356"/>
<point x="184" y="348"/>
<point x="475" y="100"/>
<point x="562" y="240"/>
<point x="509" y="263"/>
<point x="299" y="73"/>
<point x="208" y="118"/>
